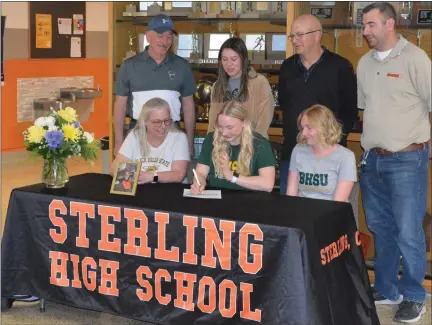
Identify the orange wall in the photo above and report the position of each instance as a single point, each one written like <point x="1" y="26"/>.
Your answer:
<point x="11" y="130"/>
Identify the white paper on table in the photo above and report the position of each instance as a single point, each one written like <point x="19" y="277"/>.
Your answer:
<point x="64" y="26"/>
<point x="209" y="194"/>
<point x="75" y="47"/>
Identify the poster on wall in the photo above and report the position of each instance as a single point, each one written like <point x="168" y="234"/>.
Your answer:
<point x="3" y="22"/>
<point x="43" y="31"/>
<point x="78" y="24"/>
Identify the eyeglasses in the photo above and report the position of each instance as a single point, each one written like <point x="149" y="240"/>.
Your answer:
<point x="158" y="123"/>
<point x="300" y="35"/>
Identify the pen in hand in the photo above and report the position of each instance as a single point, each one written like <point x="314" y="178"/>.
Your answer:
<point x="196" y="177"/>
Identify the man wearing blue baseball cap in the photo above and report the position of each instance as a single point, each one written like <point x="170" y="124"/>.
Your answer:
<point x="155" y="72"/>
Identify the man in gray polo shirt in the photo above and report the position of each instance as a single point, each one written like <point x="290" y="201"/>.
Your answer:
<point x="394" y="89"/>
<point x="156" y="72"/>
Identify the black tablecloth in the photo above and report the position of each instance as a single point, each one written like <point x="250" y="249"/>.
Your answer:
<point x="312" y="270"/>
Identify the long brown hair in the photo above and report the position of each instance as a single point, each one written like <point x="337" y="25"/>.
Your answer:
<point x="221" y="85"/>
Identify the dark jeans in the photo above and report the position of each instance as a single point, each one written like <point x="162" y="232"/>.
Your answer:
<point x="394" y="191"/>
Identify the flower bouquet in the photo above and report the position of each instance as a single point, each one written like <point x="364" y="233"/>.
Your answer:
<point x="55" y="138"/>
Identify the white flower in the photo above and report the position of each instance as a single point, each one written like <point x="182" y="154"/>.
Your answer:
<point x="53" y="128"/>
<point x="89" y="137"/>
<point x="48" y="121"/>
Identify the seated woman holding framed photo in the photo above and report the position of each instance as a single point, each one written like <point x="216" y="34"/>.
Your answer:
<point x="160" y="146"/>
<point x="320" y="168"/>
<point x="233" y="156"/>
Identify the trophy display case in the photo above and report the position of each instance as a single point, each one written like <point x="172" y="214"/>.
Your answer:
<point x="202" y="25"/>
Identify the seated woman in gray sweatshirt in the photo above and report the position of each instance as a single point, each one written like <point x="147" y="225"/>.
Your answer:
<point x="320" y="168"/>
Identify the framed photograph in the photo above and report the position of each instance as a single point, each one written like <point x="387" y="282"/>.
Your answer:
<point x="125" y="178"/>
<point x="322" y="13"/>
<point x="424" y="16"/>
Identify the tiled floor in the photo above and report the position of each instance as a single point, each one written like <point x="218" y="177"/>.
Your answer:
<point x="18" y="170"/>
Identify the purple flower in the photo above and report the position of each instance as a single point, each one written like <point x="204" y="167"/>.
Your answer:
<point x="54" y="139"/>
<point x="76" y="124"/>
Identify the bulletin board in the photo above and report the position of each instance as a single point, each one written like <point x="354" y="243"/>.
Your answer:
<point x="57" y="29"/>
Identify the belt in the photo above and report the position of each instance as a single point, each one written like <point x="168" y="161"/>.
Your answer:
<point x="411" y="147"/>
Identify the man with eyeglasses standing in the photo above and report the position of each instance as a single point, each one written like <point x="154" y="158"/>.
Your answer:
<point x="313" y="75"/>
<point x="155" y="72"/>
<point x="394" y="89"/>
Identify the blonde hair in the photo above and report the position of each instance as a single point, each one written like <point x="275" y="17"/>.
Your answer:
<point x="140" y="129"/>
<point x="324" y="121"/>
<point x="234" y="109"/>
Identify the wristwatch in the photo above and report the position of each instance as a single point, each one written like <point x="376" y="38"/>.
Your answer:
<point x="155" y="178"/>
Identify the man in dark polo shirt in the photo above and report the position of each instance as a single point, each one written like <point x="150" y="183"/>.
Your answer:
<point x="314" y="75"/>
<point x="156" y="72"/>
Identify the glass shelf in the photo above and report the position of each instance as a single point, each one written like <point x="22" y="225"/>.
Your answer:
<point x="143" y="20"/>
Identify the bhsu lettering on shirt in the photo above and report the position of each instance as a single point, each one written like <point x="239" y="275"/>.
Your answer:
<point x="310" y="179"/>
<point x="155" y="160"/>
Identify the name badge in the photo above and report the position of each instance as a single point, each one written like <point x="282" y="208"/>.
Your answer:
<point x="394" y="75"/>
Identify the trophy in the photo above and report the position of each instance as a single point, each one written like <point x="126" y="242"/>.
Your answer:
<point x="258" y="55"/>
<point x="154" y="9"/>
<point x="405" y="8"/>
<point x="203" y="96"/>
<point x="232" y="32"/>
<point x="130" y="10"/>
<point x="279" y="13"/>
<point x="249" y="11"/>
<point x="132" y="46"/>
<point x="131" y="7"/>
<point x="228" y="12"/>
<point x="195" y="54"/>
<point x="197" y="10"/>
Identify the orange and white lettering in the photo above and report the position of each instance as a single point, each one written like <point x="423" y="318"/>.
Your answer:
<point x="328" y="252"/>
<point x="335" y="250"/>
<point x="148" y="294"/>
<point x="187" y="303"/>
<point x="255" y="249"/>
<point x="161" y="253"/>
<point x="59" y="266"/>
<point x="134" y="232"/>
<point x="107" y="229"/>
<point x="89" y="277"/>
<point x="207" y="281"/>
<point x="60" y="236"/>
<point x="212" y="239"/>
<point x="109" y="277"/>
<point x="190" y="223"/>
<point x="76" y="282"/>
<point x="162" y="273"/>
<point x="323" y="258"/>
<point x="82" y="210"/>
<point x="246" y="313"/>
<point x="223" y="288"/>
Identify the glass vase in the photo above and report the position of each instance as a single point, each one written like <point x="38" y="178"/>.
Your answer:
<point x="55" y="173"/>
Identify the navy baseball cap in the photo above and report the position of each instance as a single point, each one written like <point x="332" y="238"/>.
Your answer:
<point x="161" y="23"/>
